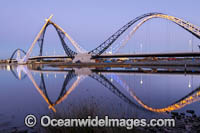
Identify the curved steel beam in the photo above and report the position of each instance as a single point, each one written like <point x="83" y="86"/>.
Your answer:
<point x="188" y="100"/>
<point x="43" y="88"/>
<point x="100" y="78"/>
<point x="69" y="77"/>
<point x="25" y="58"/>
<point x="106" y="44"/>
<point x="66" y="93"/>
<point x="40" y="38"/>
<point x="195" y="30"/>
<point x="75" y="44"/>
<point x="13" y="54"/>
<point x="15" y="75"/>
<point x="61" y="35"/>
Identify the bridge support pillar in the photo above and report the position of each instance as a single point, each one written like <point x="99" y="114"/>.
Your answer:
<point x="83" y="57"/>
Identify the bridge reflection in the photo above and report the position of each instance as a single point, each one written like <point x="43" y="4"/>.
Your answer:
<point x="98" y="76"/>
<point x="188" y="99"/>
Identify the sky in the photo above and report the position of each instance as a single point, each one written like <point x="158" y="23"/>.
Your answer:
<point x="91" y="22"/>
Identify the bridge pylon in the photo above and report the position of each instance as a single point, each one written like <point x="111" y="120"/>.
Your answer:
<point x="25" y="58"/>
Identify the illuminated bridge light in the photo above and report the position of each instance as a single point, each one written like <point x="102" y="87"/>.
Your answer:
<point x="8" y="67"/>
<point x="141" y="81"/>
<point x="111" y="79"/>
<point x="189" y="85"/>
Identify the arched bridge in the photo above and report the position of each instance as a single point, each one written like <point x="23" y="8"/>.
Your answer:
<point x="193" y="29"/>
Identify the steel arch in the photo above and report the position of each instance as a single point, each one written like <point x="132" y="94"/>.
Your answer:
<point x="13" y="54"/>
<point x="195" y="30"/>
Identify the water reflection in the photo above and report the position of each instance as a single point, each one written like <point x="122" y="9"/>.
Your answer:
<point x="97" y="75"/>
<point x="80" y="74"/>
<point x="188" y="99"/>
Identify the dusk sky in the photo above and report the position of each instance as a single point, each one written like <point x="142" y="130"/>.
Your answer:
<point x="91" y="22"/>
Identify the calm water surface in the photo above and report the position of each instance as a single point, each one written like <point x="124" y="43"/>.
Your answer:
<point x="129" y="95"/>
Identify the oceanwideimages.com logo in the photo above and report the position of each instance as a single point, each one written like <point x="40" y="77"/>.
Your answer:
<point x="46" y="121"/>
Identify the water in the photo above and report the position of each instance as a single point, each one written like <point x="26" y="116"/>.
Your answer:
<point x="71" y="92"/>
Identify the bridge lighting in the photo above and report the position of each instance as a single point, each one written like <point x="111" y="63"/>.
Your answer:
<point x="111" y="79"/>
<point x="20" y="75"/>
<point x="110" y="52"/>
<point x="141" y="81"/>
<point x="190" y="82"/>
<point x="141" y="47"/>
<point x="18" y="55"/>
<point x="47" y="19"/>
<point x="54" y="52"/>
<point x="191" y="44"/>
<point x="8" y="67"/>
<point x="189" y="85"/>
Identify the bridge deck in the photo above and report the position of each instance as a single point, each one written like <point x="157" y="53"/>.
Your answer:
<point x="180" y="54"/>
<point x="177" y="54"/>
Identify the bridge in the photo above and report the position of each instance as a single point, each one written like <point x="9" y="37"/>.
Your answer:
<point x="180" y="54"/>
<point x="81" y="55"/>
<point x="103" y="79"/>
